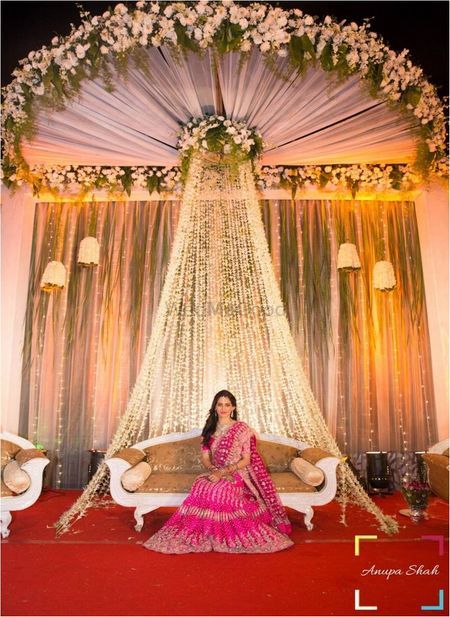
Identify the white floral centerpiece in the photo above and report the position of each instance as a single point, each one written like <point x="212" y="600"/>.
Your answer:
<point x="218" y="138"/>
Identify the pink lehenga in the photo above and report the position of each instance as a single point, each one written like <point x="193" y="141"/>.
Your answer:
<point x="241" y="513"/>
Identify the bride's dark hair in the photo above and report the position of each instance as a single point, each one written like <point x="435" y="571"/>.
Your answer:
<point x="211" y="422"/>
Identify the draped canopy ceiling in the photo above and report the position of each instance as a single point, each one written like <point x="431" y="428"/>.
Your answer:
<point x="308" y="119"/>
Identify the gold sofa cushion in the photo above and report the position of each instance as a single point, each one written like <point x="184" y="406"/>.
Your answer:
<point x="9" y="451"/>
<point x="131" y="455"/>
<point x="286" y="482"/>
<point x="438" y="473"/>
<point x="312" y="455"/>
<point x="168" y="483"/>
<point x="180" y="457"/>
<point x="28" y="454"/>
<point x="276" y="456"/>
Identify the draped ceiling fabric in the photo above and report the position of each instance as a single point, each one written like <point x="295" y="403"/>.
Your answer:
<point x="306" y="119"/>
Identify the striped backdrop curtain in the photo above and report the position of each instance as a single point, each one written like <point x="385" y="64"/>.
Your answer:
<point x="366" y="352"/>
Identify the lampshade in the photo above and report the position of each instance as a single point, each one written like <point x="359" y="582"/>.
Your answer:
<point x="383" y="276"/>
<point x="54" y="276"/>
<point x="89" y="252"/>
<point x="348" y="258"/>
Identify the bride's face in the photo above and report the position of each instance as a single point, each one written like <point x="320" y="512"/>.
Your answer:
<point x="224" y="408"/>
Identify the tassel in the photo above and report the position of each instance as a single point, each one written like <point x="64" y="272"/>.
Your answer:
<point x="383" y="276"/>
<point x="89" y="252"/>
<point x="54" y="276"/>
<point x="347" y="258"/>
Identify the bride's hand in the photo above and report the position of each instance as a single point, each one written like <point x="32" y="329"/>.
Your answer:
<point x="215" y="476"/>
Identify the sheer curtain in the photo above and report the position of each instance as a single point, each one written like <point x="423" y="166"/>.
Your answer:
<point x="366" y="352"/>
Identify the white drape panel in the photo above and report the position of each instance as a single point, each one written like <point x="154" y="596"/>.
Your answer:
<point x="16" y="241"/>
<point x="305" y="119"/>
<point x="432" y="222"/>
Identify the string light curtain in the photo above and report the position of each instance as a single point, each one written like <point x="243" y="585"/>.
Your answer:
<point x="366" y="352"/>
<point x="84" y="344"/>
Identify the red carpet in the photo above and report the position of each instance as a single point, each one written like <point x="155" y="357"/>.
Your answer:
<point x="98" y="568"/>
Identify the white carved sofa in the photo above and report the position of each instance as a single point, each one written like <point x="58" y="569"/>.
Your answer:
<point x="175" y="462"/>
<point x="30" y="460"/>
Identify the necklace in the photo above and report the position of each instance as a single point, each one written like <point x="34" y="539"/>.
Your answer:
<point x="220" y="430"/>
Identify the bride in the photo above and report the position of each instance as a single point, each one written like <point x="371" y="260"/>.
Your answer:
<point x="234" y="507"/>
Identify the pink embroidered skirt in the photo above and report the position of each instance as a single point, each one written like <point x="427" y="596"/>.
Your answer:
<point x="221" y="516"/>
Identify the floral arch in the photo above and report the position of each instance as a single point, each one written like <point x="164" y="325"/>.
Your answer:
<point x="225" y="43"/>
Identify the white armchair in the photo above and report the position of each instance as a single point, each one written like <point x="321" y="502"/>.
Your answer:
<point x="34" y="465"/>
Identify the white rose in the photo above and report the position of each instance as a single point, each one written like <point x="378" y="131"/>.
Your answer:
<point x="80" y="52"/>
<point x="309" y="20"/>
<point x="39" y="90"/>
<point x="264" y="46"/>
<point x="120" y="9"/>
<point x="246" y="45"/>
<point x="103" y="49"/>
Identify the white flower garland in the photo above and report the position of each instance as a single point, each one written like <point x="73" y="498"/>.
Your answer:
<point x="53" y="74"/>
<point x="75" y="180"/>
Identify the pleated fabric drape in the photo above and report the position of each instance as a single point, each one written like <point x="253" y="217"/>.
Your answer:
<point x="308" y="119"/>
<point x="366" y="352"/>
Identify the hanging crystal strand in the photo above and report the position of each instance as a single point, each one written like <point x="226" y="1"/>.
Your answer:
<point x="238" y="258"/>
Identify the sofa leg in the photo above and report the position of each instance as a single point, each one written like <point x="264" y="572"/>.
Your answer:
<point x="308" y="516"/>
<point x="4" y="522"/>
<point x="139" y="515"/>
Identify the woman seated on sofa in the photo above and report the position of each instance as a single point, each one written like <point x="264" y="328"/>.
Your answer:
<point x="234" y="508"/>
